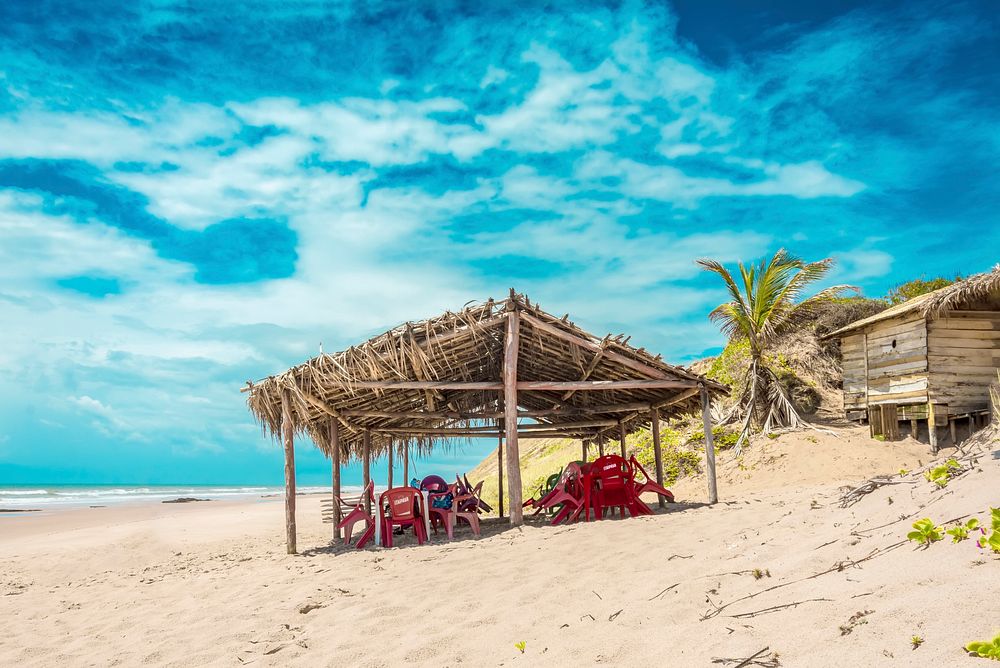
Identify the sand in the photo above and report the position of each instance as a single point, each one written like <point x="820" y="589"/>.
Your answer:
<point x="209" y="583"/>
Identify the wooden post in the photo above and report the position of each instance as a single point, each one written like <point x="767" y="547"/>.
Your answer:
<point x="287" y="435"/>
<point x="621" y="437"/>
<point x="586" y="446"/>
<point x="335" y="465"/>
<point x="500" y="476"/>
<point x="510" y="418"/>
<point x="914" y="429"/>
<point x="654" y="418"/>
<point x="406" y="463"/>
<point x="932" y="428"/>
<point x="953" y="430"/>
<point x="706" y="418"/>
<point x="366" y="456"/>
<point x="391" y="457"/>
<point x="600" y="446"/>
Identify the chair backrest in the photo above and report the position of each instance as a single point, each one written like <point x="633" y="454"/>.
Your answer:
<point x="401" y="502"/>
<point x="433" y="483"/>
<point x="351" y="502"/>
<point x="637" y="467"/>
<point x="611" y="470"/>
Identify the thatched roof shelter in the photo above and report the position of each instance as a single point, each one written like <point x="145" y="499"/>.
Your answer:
<point x="498" y="369"/>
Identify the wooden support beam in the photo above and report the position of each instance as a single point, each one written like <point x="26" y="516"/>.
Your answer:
<point x="334" y="435"/>
<point x="511" y="344"/>
<point x="366" y="458"/>
<point x="406" y="463"/>
<point x="587" y="344"/>
<point x="455" y="432"/>
<point x="500" y="476"/>
<point x="706" y="417"/>
<point x="391" y="457"/>
<point x="595" y="360"/>
<point x="600" y="445"/>
<point x="494" y="415"/>
<point x="621" y="438"/>
<point x="287" y="436"/>
<point x="538" y="385"/>
<point x="604" y="385"/>
<point x="586" y="446"/>
<point x="654" y="421"/>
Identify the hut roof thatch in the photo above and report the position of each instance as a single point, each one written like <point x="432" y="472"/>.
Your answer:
<point x="967" y="292"/>
<point x="416" y="380"/>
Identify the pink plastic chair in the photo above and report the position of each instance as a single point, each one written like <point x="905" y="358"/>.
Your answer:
<point x="569" y="492"/>
<point x="405" y="508"/>
<point x="358" y="514"/>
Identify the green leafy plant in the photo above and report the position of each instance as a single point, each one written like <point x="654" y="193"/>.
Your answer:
<point x="960" y="532"/>
<point x="903" y="472"/>
<point x="916" y="641"/>
<point x="939" y="475"/>
<point x="925" y="532"/>
<point x="992" y="541"/>
<point x="521" y="645"/>
<point x="987" y="649"/>
<point x="758" y="574"/>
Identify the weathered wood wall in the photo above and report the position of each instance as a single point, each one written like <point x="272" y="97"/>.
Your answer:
<point x="963" y="357"/>
<point x="886" y="364"/>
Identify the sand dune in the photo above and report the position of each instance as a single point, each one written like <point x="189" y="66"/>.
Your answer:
<point x="209" y="584"/>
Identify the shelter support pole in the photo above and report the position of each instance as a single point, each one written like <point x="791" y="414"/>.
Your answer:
<point x="600" y="445"/>
<point x="406" y="463"/>
<point x="500" y="476"/>
<point x="706" y="417"/>
<point x="654" y="419"/>
<point x="366" y="456"/>
<point x="621" y="438"/>
<point x="335" y="466"/>
<point x="288" y="438"/>
<point x="586" y="446"/>
<point x="510" y="418"/>
<point x="391" y="457"/>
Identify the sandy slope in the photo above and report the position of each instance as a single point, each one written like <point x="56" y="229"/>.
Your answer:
<point x="209" y="584"/>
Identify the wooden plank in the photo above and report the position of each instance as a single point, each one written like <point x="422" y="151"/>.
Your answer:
<point x="890" y="422"/>
<point x="288" y="437"/>
<point x="511" y="345"/>
<point x="391" y="457"/>
<point x="963" y="324"/>
<point x="621" y="438"/>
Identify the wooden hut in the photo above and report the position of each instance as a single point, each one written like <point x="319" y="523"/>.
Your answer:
<point x="930" y="359"/>
<point x="503" y="370"/>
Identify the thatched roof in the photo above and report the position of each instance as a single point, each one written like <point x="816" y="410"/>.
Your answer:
<point x="461" y="354"/>
<point x="968" y="292"/>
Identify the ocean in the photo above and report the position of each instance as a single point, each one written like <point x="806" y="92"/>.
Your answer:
<point x="21" y="497"/>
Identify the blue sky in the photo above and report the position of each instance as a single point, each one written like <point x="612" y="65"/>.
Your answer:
<point x="190" y="199"/>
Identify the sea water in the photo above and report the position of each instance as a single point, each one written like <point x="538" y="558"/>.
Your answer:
<point x="50" y="496"/>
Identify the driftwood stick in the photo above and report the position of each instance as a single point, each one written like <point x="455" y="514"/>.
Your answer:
<point x="775" y="608"/>
<point x="665" y="591"/>
<point x="742" y="662"/>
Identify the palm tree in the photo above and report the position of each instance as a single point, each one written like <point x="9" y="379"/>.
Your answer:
<point x="765" y="303"/>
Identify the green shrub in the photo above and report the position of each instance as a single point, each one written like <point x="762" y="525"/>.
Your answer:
<point x="925" y="532"/>
<point x="987" y="649"/>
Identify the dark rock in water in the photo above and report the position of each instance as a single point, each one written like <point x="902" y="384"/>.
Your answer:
<point x="98" y="506"/>
<point x="20" y="510"/>
<point x="185" y="499"/>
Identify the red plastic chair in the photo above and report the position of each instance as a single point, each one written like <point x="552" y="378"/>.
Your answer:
<point x="649" y="485"/>
<point x="405" y="508"/>
<point x="614" y="487"/>
<point x="358" y="514"/>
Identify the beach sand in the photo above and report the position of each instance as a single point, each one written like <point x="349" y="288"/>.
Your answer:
<point x="210" y="583"/>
